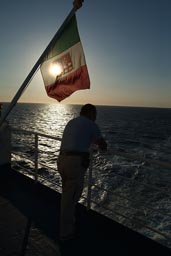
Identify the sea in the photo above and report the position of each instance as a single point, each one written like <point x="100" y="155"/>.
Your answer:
<point x="131" y="182"/>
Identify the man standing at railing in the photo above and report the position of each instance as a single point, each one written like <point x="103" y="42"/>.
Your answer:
<point x="73" y="162"/>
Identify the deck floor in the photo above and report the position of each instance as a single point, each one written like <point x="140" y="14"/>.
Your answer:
<point x="29" y="221"/>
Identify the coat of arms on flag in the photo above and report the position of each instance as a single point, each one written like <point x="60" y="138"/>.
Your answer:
<point x="64" y="69"/>
<point x="62" y="66"/>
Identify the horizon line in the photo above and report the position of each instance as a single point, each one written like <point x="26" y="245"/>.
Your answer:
<point x="79" y="104"/>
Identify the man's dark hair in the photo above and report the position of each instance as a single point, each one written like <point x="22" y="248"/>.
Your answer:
<point x="87" y="109"/>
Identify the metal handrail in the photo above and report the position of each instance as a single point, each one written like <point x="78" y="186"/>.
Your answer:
<point x="90" y="169"/>
<point x="130" y="199"/>
<point x="90" y="177"/>
<point x="135" y="219"/>
<point x="146" y="185"/>
<point x="36" y="145"/>
<point x="143" y="159"/>
<point x="37" y="133"/>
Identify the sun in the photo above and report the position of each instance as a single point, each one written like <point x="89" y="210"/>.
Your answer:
<point x="55" y="69"/>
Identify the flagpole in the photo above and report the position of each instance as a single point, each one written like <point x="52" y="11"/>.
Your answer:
<point x="36" y="66"/>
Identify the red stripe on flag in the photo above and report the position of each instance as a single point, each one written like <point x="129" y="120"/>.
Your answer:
<point x="63" y="88"/>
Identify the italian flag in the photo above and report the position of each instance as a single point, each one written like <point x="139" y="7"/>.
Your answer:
<point x="64" y="69"/>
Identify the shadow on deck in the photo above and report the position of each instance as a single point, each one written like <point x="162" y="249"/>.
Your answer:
<point x="29" y="221"/>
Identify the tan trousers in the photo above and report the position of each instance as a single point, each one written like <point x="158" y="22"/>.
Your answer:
<point x="72" y="173"/>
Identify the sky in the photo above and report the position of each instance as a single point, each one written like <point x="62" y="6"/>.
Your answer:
<point x="127" y="45"/>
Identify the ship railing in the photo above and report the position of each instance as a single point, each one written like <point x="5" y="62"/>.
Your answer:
<point x="91" y="186"/>
<point x="26" y="156"/>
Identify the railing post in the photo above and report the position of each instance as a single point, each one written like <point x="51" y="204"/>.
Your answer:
<point x="89" y="182"/>
<point x="36" y="158"/>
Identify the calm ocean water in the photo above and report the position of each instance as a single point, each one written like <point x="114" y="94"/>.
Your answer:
<point x="143" y="133"/>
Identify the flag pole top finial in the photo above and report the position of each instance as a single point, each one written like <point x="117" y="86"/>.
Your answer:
<point x="77" y="4"/>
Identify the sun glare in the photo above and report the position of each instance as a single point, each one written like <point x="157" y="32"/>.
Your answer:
<point x="56" y="69"/>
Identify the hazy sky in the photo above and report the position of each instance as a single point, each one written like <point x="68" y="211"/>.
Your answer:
<point x="127" y="45"/>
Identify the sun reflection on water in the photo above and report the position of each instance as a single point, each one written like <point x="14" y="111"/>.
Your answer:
<point x="45" y="118"/>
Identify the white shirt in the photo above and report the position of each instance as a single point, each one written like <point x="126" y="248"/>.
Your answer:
<point x="79" y="133"/>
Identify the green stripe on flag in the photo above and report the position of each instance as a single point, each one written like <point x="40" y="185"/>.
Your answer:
<point x="68" y="38"/>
